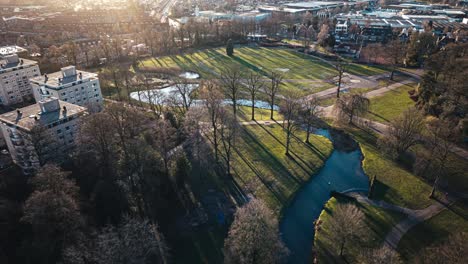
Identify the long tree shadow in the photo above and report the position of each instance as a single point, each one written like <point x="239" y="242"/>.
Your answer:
<point x="279" y="196"/>
<point x="379" y="116"/>
<point x="276" y="163"/>
<point x="320" y="154"/>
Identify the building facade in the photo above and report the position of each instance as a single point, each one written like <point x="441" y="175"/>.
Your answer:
<point x="40" y="133"/>
<point x="69" y="85"/>
<point x="15" y="73"/>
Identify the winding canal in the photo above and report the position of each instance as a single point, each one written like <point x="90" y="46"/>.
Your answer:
<point x="341" y="172"/>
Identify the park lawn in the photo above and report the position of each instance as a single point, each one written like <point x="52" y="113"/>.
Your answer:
<point x="262" y="168"/>
<point x="433" y="231"/>
<point x="387" y="107"/>
<point x="365" y="70"/>
<point x="209" y="63"/>
<point x="244" y="114"/>
<point x="378" y="222"/>
<point x="395" y="184"/>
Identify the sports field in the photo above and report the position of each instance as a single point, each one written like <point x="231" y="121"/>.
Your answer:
<point x="301" y="72"/>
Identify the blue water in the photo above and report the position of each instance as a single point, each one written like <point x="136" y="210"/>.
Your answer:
<point x="146" y="96"/>
<point x="341" y="172"/>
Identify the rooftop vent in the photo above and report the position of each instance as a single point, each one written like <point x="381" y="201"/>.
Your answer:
<point x="68" y="71"/>
<point x="49" y="105"/>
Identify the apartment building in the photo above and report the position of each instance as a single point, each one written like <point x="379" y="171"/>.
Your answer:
<point x="42" y="132"/>
<point x="15" y="73"/>
<point x="69" y="85"/>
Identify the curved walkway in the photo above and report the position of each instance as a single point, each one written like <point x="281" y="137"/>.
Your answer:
<point x="414" y="216"/>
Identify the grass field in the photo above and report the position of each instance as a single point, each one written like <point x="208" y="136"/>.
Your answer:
<point x="434" y="231"/>
<point x="262" y="167"/>
<point x="378" y="222"/>
<point x="301" y="72"/>
<point x="390" y="105"/>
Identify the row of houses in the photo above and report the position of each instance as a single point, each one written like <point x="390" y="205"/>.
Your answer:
<point x="46" y="128"/>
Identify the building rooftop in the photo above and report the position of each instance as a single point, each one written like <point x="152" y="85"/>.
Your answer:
<point x="67" y="75"/>
<point x="313" y="4"/>
<point x="12" y="62"/>
<point x="45" y="112"/>
<point x="10" y="50"/>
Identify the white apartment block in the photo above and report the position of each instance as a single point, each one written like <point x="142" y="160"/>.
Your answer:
<point x="42" y="132"/>
<point x="69" y="85"/>
<point x="15" y="73"/>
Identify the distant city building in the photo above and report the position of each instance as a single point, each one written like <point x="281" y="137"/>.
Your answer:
<point x="42" y="132"/>
<point x="69" y="85"/>
<point x="15" y="73"/>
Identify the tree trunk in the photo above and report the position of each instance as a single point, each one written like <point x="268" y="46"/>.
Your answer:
<point x="342" y="247"/>
<point x="271" y="109"/>
<point x="339" y="86"/>
<point x="253" y="108"/>
<point x="288" y="140"/>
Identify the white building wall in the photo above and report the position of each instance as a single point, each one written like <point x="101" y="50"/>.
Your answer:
<point x="15" y="85"/>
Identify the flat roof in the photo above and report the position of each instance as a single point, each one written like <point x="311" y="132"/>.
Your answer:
<point x="26" y="119"/>
<point x="16" y="65"/>
<point x="54" y="82"/>
<point x="10" y="50"/>
<point x="313" y="4"/>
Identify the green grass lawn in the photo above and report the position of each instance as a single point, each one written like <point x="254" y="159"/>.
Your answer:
<point x="301" y="72"/>
<point x="434" y="231"/>
<point x="390" y="105"/>
<point x="244" y="114"/>
<point x="262" y="168"/>
<point x="378" y="222"/>
<point x="395" y="184"/>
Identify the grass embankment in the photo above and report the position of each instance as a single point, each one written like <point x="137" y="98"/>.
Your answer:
<point x="387" y="107"/>
<point x="244" y="114"/>
<point x="433" y="231"/>
<point x="262" y="167"/>
<point x="378" y="222"/>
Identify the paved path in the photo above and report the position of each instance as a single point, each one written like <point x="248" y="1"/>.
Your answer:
<point x="414" y="217"/>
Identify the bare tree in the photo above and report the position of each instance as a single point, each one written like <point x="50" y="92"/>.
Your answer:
<point x="213" y="99"/>
<point x="340" y="67"/>
<point x="395" y="52"/>
<point x="228" y="131"/>
<point x="323" y="34"/>
<point x="135" y="241"/>
<point x="45" y="145"/>
<point x="273" y="89"/>
<point x="383" y="254"/>
<point x="254" y="222"/>
<point x="254" y="86"/>
<point x="186" y="93"/>
<point x="452" y="250"/>
<point x="350" y="106"/>
<point x="309" y="113"/>
<point x="290" y="109"/>
<point x="403" y="133"/>
<point x="231" y="81"/>
<point x="346" y="225"/>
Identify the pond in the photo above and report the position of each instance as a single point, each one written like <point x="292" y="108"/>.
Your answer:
<point x="146" y="96"/>
<point x="341" y="172"/>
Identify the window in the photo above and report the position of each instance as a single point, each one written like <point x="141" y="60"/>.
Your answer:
<point x="59" y="131"/>
<point x="67" y="128"/>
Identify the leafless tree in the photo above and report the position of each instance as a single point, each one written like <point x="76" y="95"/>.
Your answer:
<point x="231" y="81"/>
<point x="164" y="141"/>
<point x="350" y="106"/>
<point x="340" y="67"/>
<point x="255" y="84"/>
<point x="135" y="241"/>
<point x="346" y="225"/>
<point x="45" y="145"/>
<point x="453" y="250"/>
<point x="254" y="222"/>
<point x="213" y="99"/>
<point x="290" y="109"/>
<point x="186" y="92"/>
<point x="323" y="34"/>
<point x="309" y="113"/>
<point x="380" y="255"/>
<point x="228" y="131"/>
<point x="193" y="127"/>
<point x="395" y="52"/>
<point x="403" y="133"/>
<point x="273" y="89"/>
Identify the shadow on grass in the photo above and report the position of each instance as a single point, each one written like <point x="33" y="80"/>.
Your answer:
<point x="276" y="163"/>
<point x="379" y="116"/>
